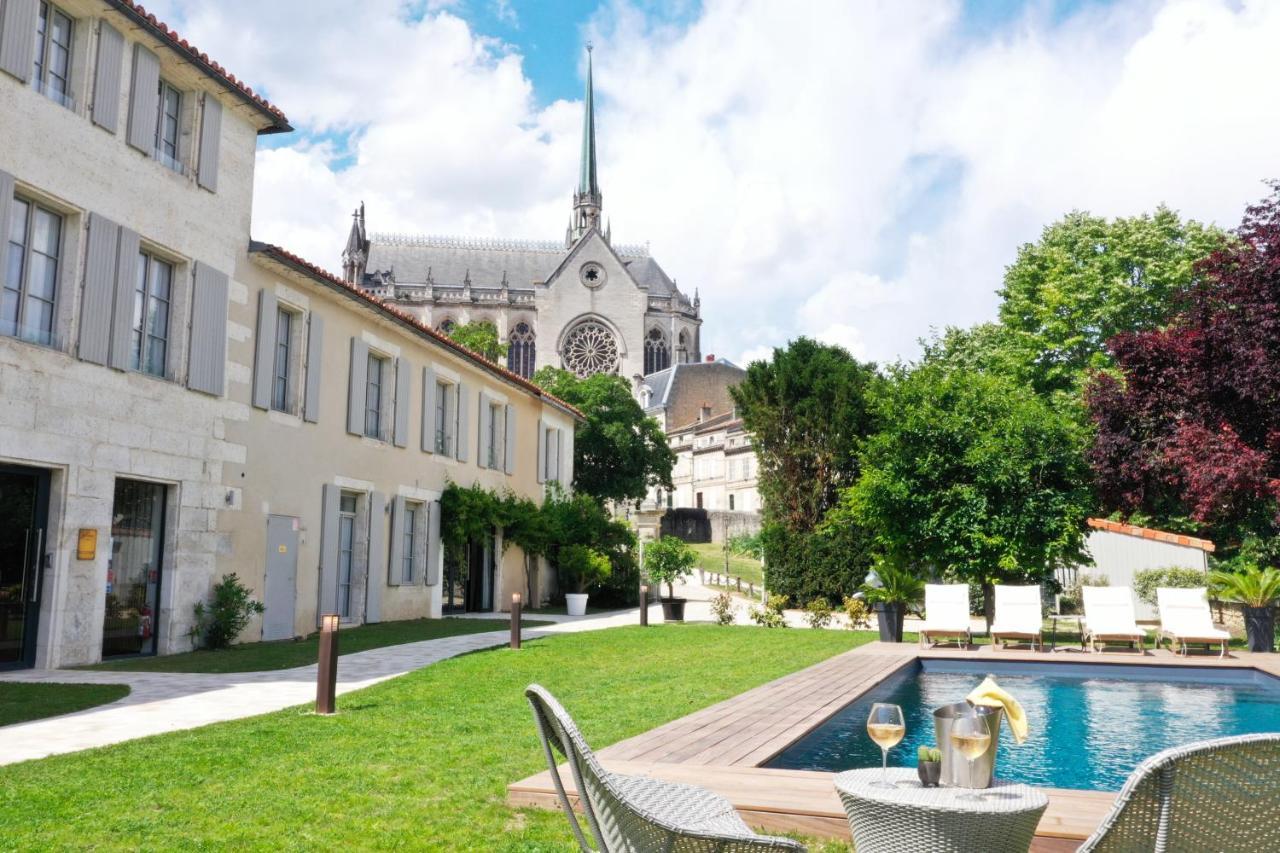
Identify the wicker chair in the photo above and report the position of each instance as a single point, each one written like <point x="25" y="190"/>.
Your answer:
<point x="637" y="814"/>
<point x="1220" y="795"/>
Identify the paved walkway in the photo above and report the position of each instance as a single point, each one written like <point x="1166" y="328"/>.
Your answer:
<point x="160" y="702"/>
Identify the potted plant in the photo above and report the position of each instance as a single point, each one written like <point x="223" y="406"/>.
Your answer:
<point x="1257" y="589"/>
<point x="666" y="561"/>
<point x="892" y="588"/>
<point x="929" y="765"/>
<point x="580" y="569"/>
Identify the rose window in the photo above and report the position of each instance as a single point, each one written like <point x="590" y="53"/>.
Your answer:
<point x="589" y="349"/>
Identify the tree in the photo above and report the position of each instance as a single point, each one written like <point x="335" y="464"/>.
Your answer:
<point x="667" y="560"/>
<point x="972" y="475"/>
<point x="1088" y="279"/>
<point x="619" y="453"/>
<point x="481" y="337"/>
<point x="1190" y="429"/>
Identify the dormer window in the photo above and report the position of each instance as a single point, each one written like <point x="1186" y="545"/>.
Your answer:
<point x="53" y="54"/>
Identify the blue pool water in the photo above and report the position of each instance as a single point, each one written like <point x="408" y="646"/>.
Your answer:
<point x="1090" y="725"/>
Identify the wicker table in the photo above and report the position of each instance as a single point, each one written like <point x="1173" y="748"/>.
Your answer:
<point x="908" y="817"/>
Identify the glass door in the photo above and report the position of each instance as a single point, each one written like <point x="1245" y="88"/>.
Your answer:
<point x="23" y="502"/>
<point x="134" y="571"/>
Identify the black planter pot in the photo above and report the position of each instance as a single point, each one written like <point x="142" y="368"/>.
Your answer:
<point x="889" y="616"/>
<point x="929" y="772"/>
<point x="1260" y="627"/>
<point x="673" y="609"/>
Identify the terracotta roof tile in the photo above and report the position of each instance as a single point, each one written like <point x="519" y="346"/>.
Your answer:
<point x="1149" y="533"/>
<point x="289" y="259"/>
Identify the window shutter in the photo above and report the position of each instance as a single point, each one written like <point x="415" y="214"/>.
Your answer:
<point x="396" y="549"/>
<point x="356" y="386"/>
<point x="565" y="437"/>
<point x="210" y="140"/>
<point x="126" y="284"/>
<point x="462" y="438"/>
<point x="428" y="410"/>
<point x="542" y="450"/>
<point x="482" y="436"/>
<point x="509" y="445"/>
<point x="377" y="557"/>
<point x="264" y="350"/>
<point x="315" y="351"/>
<point x="328" y="601"/>
<point x="106" y="77"/>
<point x="18" y="39"/>
<point x="144" y="100"/>
<point x="207" y="365"/>
<point x="400" y="436"/>
<point x="433" y="545"/>
<point x="99" y="288"/>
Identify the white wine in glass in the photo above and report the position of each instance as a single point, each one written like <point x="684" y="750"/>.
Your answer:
<point x="971" y="738"/>
<point x="885" y="726"/>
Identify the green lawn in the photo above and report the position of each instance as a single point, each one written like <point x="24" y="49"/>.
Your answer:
<point x="286" y="654"/>
<point x="20" y="703"/>
<point x="418" y="762"/>
<point x="711" y="559"/>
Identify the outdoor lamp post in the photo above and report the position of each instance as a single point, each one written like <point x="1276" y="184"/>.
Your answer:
<point x="327" y="671"/>
<point x="516" y="604"/>
<point x="644" y="605"/>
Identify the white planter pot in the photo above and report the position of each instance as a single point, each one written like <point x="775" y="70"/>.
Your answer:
<point x="576" y="603"/>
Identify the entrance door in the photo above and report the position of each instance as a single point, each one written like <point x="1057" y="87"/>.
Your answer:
<point x="24" y="500"/>
<point x="480" y="576"/>
<point x="134" y="573"/>
<point x="282" y="576"/>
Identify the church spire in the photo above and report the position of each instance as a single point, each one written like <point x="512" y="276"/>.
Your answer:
<point x="356" y="253"/>
<point x="588" y="200"/>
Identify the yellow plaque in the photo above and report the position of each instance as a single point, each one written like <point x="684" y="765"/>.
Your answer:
<point x="87" y="544"/>
<point x="282" y="549"/>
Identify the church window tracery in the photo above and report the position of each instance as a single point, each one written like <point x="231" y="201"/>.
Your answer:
<point x="657" y="356"/>
<point x="590" y="348"/>
<point x="521" y="350"/>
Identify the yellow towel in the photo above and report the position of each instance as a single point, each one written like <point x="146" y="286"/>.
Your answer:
<point x="992" y="695"/>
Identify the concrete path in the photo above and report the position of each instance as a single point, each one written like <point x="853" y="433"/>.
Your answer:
<point x="161" y="702"/>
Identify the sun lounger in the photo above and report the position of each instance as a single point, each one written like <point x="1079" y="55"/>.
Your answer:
<point x="1185" y="618"/>
<point x="1018" y="616"/>
<point x="946" y="613"/>
<point x="1109" y="618"/>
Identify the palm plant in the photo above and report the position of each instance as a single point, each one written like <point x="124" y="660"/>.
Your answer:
<point x="1253" y="587"/>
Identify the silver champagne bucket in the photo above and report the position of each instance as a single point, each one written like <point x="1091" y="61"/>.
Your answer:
<point x="957" y="770"/>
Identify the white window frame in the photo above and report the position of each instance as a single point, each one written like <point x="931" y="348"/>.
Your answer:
<point x="42" y="74"/>
<point x="411" y="541"/>
<point x="497" y="438"/>
<point x="45" y="337"/>
<point x="442" y="434"/>
<point x="174" y="160"/>
<point x="379" y="411"/>
<point x="144" y="301"/>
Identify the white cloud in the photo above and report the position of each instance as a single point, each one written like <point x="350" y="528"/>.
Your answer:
<point x="855" y="172"/>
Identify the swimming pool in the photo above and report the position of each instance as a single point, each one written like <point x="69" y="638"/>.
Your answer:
<point x="1090" y="724"/>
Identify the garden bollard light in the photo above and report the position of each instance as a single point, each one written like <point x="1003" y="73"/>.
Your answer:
<point x="739" y="584"/>
<point x="644" y="605"/>
<point x="327" y="670"/>
<point x="516" y="603"/>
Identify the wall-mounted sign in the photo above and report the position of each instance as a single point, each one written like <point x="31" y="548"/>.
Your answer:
<point x="87" y="544"/>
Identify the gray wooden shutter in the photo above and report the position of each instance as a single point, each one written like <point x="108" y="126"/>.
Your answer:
<point x="485" y="415"/>
<point x="428" y="410"/>
<point x="565" y="453"/>
<point x="328" y="600"/>
<point x="106" y="78"/>
<point x="315" y="350"/>
<point x="462" y="438"/>
<point x="144" y="100"/>
<point x="126" y="284"/>
<point x="400" y="434"/>
<point x="210" y="141"/>
<point x="396" y="548"/>
<point x="433" y="545"/>
<point x="18" y="40"/>
<point x="207" y="366"/>
<point x="264" y="350"/>
<point x="377" y="564"/>
<point x="509" y="444"/>
<point x="356" y="386"/>
<point x="99" y="288"/>
<point x="542" y="450"/>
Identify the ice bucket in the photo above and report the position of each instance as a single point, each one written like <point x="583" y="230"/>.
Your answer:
<point x="958" y="771"/>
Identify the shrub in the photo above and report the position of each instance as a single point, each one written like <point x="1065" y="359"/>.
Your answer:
<point x="582" y="568"/>
<point x="1252" y="587"/>
<point x="722" y="608"/>
<point x="667" y="560"/>
<point x="858" y="612"/>
<point x="222" y="619"/>
<point x="769" y="615"/>
<point x="745" y="544"/>
<point x="818" y="613"/>
<point x="1147" y="581"/>
<point x="830" y="563"/>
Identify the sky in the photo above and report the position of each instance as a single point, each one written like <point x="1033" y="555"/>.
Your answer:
<point x="860" y="172"/>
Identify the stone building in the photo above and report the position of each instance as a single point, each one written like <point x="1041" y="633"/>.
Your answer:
<point x="585" y="303"/>
<point x="176" y="404"/>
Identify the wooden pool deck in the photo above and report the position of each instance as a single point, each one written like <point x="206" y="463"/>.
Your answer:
<point x="722" y="746"/>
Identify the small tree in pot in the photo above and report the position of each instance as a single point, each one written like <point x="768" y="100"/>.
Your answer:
<point x="892" y="589"/>
<point x="666" y="561"/>
<point x="580" y="569"/>
<point x="1257" y="589"/>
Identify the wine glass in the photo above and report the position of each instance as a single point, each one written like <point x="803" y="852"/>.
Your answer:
<point x="886" y="727"/>
<point x="970" y="737"/>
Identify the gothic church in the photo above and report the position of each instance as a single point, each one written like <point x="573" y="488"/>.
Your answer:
<point x="585" y="304"/>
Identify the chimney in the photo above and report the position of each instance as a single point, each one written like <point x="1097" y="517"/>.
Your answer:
<point x="711" y="357"/>
<point x="704" y="413"/>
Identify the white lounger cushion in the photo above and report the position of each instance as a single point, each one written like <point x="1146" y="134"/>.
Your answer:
<point x="1017" y="610"/>
<point x="1108" y="611"/>
<point x="1185" y="613"/>
<point x="946" y="607"/>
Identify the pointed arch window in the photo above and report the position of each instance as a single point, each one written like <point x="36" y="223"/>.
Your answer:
<point x="682" y="348"/>
<point x="521" y="350"/>
<point x="657" y="356"/>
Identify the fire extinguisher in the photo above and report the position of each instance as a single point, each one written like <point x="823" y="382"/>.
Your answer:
<point x="144" y="622"/>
